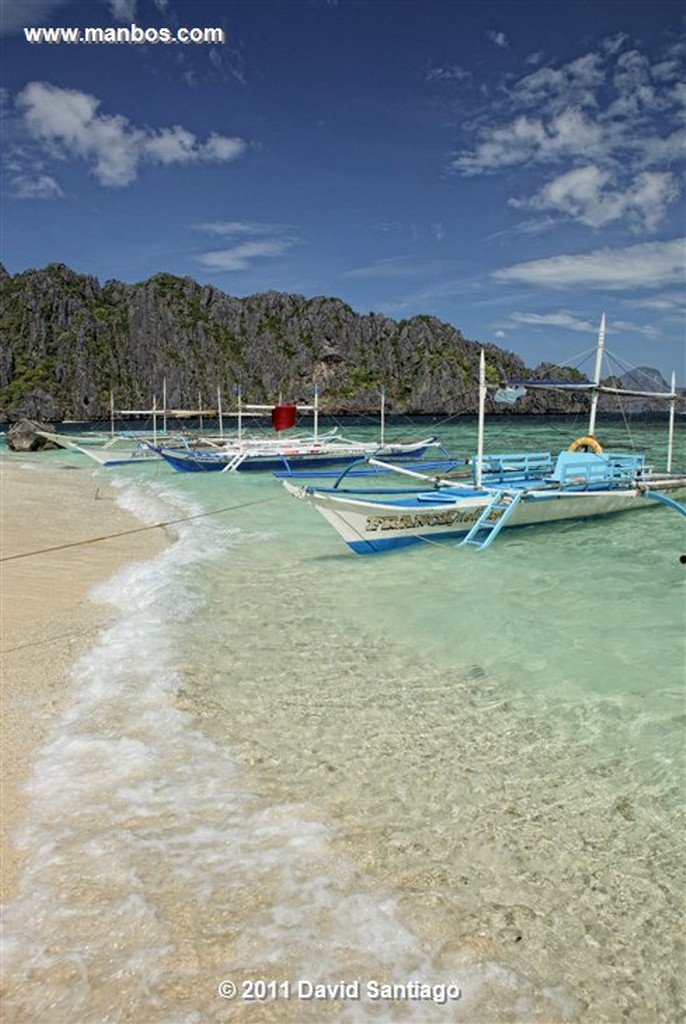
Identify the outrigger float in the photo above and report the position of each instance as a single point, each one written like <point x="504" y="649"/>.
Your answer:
<point x="503" y="490"/>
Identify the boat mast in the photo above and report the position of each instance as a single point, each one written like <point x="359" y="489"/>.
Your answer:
<point x="482" y="411"/>
<point x="383" y="416"/>
<point x="672" y="410"/>
<point x="112" y="413"/>
<point x="164" y="404"/>
<point x="596" y="376"/>
<point x="316" y="412"/>
<point x="239" y="424"/>
<point x="219" y="412"/>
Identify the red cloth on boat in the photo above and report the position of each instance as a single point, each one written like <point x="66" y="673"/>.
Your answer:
<point x="284" y="416"/>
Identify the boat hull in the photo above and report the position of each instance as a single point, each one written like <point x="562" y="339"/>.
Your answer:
<point x="216" y="463"/>
<point x="372" y="527"/>
<point x="120" y="457"/>
<point x="288" y="459"/>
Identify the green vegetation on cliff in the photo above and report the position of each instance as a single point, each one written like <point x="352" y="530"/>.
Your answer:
<point x="67" y="342"/>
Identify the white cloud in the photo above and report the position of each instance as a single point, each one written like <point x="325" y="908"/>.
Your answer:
<point x="669" y="149"/>
<point x="68" y="124"/>
<point x="610" y="123"/>
<point x="222" y="148"/>
<point x="500" y="39"/>
<point x="239" y="257"/>
<point x="664" y="302"/>
<point x="523" y="140"/>
<point x="41" y="186"/>
<point x="257" y="241"/>
<point x="171" y="146"/>
<point x="572" y="86"/>
<point x="231" y="228"/>
<point x="647" y="265"/>
<point x="178" y="145"/>
<point x="563" y="318"/>
<point x="591" y="196"/>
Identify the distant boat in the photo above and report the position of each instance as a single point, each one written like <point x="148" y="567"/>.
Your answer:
<point x="506" y="490"/>
<point x="117" y="447"/>
<point x="288" y="455"/>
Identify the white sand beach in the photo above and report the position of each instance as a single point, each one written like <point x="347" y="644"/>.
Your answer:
<point x="46" y="618"/>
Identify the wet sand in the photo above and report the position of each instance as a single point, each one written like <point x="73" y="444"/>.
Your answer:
<point x="46" y="617"/>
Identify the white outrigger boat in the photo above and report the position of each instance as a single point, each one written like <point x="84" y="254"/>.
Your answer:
<point x="129" y="447"/>
<point x="504" y="490"/>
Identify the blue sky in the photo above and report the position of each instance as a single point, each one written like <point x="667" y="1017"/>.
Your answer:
<point x="512" y="168"/>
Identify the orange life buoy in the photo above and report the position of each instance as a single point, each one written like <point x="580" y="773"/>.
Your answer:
<point x="586" y="444"/>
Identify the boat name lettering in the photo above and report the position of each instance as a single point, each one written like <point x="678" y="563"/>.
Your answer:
<point x="412" y="521"/>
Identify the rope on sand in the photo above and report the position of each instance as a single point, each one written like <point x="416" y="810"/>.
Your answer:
<point x="135" y="529"/>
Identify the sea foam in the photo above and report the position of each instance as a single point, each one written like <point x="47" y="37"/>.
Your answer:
<point x="155" y="868"/>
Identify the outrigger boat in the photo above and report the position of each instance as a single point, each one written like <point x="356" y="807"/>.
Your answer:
<point x="290" y="454"/>
<point x="130" y="447"/>
<point x="503" y="490"/>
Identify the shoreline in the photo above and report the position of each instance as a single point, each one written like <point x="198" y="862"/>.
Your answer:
<point x="46" y="617"/>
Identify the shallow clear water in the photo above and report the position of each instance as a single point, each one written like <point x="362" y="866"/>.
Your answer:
<point x="285" y="761"/>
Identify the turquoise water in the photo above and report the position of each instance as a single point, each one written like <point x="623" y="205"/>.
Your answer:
<point x="439" y="766"/>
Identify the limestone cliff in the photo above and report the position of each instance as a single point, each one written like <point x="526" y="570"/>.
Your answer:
<point x="67" y="342"/>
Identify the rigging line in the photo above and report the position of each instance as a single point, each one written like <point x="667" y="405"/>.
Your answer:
<point x="138" y="529"/>
<point x="73" y="635"/>
<point x="431" y="542"/>
<point x="627" y="425"/>
<point x="624" y="412"/>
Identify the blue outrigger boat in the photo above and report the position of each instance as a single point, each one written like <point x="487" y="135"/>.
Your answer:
<point x="288" y="456"/>
<point x="503" y="490"/>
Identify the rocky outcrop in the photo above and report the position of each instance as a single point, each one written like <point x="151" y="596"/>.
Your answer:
<point x="24" y="436"/>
